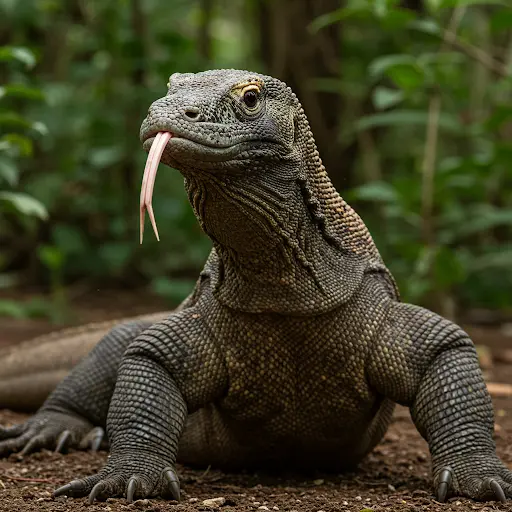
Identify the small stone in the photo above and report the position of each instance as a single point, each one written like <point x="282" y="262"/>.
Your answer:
<point x="193" y="500"/>
<point x="344" y="502"/>
<point x="319" y="481"/>
<point x="140" y="504"/>
<point x="23" y="471"/>
<point x="214" y="502"/>
<point x="275" y="508"/>
<point x="263" y="507"/>
<point x="458" y="503"/>
<point x="358" y="498"/>
<point x="256" y="503"/>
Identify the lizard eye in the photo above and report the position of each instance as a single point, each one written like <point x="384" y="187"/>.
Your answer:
<point x="250" y="98"/>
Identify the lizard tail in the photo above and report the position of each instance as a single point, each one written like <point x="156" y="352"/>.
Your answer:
<point x="30" y="371"/>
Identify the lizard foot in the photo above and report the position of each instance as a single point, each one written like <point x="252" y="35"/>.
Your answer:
<point x="135" y="476"/>
<point x="51" y="430"/>
<point x="477" y="477"/>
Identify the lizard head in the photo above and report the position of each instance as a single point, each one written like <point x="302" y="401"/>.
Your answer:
<point x="259" y="190"/>
<point x="221" y="125"/>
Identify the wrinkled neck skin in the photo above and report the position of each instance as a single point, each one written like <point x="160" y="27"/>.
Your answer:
<point x="269" y="253"/>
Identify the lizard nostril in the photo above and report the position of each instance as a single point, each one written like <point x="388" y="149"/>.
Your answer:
<point x="192" y="113"/>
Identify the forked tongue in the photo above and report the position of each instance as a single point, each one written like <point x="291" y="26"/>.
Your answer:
<point x="148" y="181"/>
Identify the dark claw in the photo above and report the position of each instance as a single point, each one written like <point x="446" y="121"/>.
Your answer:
<point x="498" y="491"/>
<point x="132" y="487"/>
<point x="174" y="483"/>
<point x="96" y="491"/>
<point x="97" y="438"/>
<point x="62" y="491"/>
<point x="445" y="480"/>
<point x="62" y="441"/>
<point x="68" y="489"/>
<point x="30" y="446"/>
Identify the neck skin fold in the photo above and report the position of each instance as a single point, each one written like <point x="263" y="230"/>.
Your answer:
<point x="270" y="254"/>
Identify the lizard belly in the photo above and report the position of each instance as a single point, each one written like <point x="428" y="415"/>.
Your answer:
<point x="296" y="397"/>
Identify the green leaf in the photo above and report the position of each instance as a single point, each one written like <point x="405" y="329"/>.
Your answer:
<point x="14" y="120"/>
<point x="336" y="16"/>
<point x="501" y="20"/>
<point x="39" y="128"/>
<point x="379" y="191"/>
<point x="21" y="91"/>
<point x="19" y="53"/>
<point x="12" y="308"/>
<point x="407" y="77"/>
<point x="16" y="145"/>
<point x="384" y="97"/>
<point x="380" y="65"/>
<point x="408" y="118"/>
<point x="51" y="256"/>
<point x="428" y="26"/>
<point x="499" y="260"/>
<point x="402" y="69"/>
<point x="8" y="171"/>
<point x="447" y="4"/>
<point x="24" y="204"/>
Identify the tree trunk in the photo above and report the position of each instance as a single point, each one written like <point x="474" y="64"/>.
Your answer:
<point x="297" y="56"/>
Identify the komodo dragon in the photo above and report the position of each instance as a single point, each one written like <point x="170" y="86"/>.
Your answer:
<point x="293" y="347"/>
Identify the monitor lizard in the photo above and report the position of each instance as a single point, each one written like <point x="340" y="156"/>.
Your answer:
<point x="294" y="345"/>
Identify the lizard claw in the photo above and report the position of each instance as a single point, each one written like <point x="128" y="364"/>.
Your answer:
<point x="133" y="476"/>
<point x="62" y="441"/>
<point x="97" y="439"/>
<point x="93" y="439"/>
<point x="33" y="444"/>
<point x="97" y="490"/>
<point x="132" y="487"/>
<point x="174" y="483"/>
<point x="47" y="429"/>
<point x="75" y="487"/>
<point x="498" y="491"/>
<point x="445" y="480"/>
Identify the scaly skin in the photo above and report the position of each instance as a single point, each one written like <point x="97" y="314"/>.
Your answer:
<point x="293" y="347"/>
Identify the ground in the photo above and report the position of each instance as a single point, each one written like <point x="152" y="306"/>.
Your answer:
<point x="396" y="476"/>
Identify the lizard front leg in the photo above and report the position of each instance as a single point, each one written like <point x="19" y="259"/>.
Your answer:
<point x="170" y="370"/>
<point x="75" y="413"/>
<point x="429" y="364"/>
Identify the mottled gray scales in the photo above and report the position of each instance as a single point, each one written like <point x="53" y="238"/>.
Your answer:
<point x="293" y="347"/>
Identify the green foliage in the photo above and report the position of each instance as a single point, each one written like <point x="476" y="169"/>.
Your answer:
<point x="77" y="79"/>
<point x="462" y="248"/>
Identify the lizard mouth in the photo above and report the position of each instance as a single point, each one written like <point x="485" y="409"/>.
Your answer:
<point x="148" y="181"/>
<point x="217" y="153"/>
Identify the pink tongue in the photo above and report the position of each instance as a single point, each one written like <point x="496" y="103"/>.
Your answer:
<point x="148" y="181"/>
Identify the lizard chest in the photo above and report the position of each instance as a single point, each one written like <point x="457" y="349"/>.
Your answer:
<point x="290" y="376"/>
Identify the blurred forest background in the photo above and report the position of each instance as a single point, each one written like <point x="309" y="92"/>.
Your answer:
<point x="410" y="103"/>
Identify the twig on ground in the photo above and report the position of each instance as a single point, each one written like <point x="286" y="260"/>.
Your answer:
<point x="33" y="480"/>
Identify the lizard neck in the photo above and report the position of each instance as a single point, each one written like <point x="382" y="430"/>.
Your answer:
<point x="269" y="253"/>
<point x="284" y="239"/>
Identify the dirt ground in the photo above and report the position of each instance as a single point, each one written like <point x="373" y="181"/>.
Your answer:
<point x="396" y="476"/>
